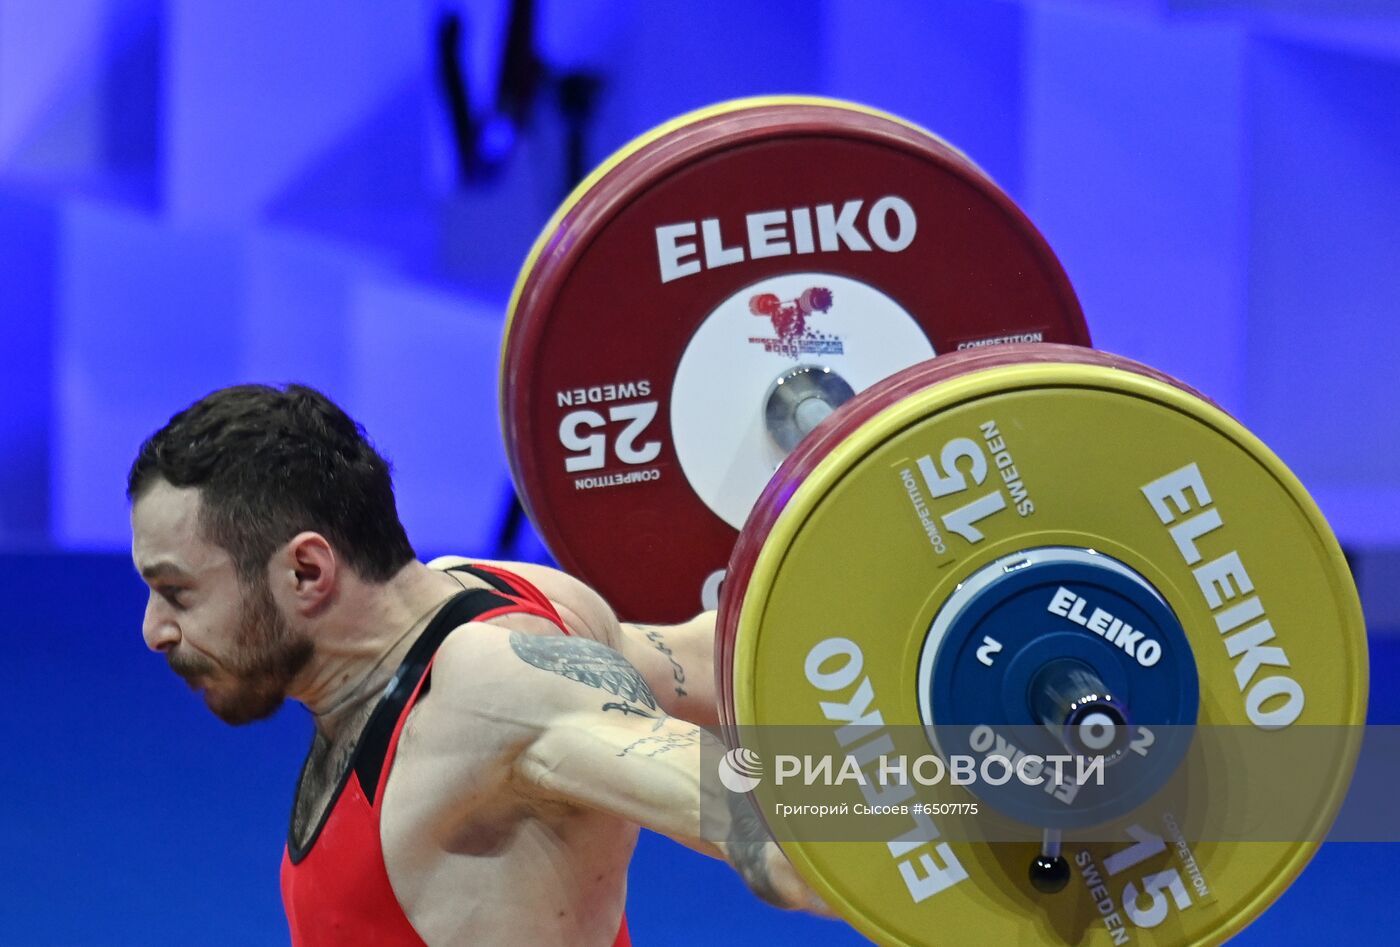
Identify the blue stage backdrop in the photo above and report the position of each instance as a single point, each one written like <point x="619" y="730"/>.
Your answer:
<point x="133" y="816"/>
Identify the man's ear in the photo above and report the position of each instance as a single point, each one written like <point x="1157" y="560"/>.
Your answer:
<point x="305" y="570"/>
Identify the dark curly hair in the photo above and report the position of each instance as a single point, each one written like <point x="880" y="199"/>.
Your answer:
<point x="272" y="462"/>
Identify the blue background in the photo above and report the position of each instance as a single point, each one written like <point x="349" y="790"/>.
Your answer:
<point x="195" y="193"/>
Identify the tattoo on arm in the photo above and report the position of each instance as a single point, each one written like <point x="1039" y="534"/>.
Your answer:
<point x="626" y="709"/>
<point x="677" y="671"/>
<point x="658" y="719"/>
<point x="586" y="662"/>
<point x="748" y="848"/>
<point x="655" y="746"/>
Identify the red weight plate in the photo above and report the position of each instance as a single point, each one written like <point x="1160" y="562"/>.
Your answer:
<point x="836" y="428"/>
<point x="694" y="269"/>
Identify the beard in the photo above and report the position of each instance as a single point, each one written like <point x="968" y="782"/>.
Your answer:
<point x="252" y="683"/>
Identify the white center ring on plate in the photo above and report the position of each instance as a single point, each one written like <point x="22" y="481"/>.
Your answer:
<point x="763" y="331"/>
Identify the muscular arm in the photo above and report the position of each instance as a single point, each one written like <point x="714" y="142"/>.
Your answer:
<point x="598" y="737"/>
<point x="677" y="661"/>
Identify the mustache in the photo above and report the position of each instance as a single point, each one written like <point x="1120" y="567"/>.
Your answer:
<point x="188" y="666"/>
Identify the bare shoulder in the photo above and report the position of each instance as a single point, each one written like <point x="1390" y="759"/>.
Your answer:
<point x="475" y="671"/>
<point x="584" y="611"/>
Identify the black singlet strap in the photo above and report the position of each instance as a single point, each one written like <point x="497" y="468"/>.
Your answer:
<point x="491" y="579"/>
<point x="374" y="739"/>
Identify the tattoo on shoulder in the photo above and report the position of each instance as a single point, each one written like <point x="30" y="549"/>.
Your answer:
<point x="586" y="662"/>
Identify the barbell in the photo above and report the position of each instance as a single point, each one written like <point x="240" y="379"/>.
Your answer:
<point x="805" y="361"/>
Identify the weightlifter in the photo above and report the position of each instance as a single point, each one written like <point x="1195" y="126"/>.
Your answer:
<point x="480" y="762"/>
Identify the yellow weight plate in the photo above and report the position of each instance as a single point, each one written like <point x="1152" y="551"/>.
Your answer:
<point x="905" y="503"/>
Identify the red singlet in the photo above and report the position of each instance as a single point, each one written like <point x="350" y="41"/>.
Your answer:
<point x="337" y="890"/>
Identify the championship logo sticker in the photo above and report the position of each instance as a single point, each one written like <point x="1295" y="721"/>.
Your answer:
<point x="793" y="336"/>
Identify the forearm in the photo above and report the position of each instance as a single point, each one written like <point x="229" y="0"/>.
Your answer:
<point x="762" y="864"/>
<point x="748" y="849"/>
<point x="679" y="664"/>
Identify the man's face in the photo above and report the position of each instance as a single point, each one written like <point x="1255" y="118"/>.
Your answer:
<point x="225" y="639"/>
